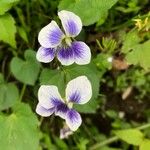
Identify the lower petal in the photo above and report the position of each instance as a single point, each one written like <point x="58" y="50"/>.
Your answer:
<point x="45" y="54"/>
<point x="82" y="53"/>
<point x="61" y="110"/>
<point x="66" y="55"/>
<point x="73" y="119"/>
<point x="43" y="111"/>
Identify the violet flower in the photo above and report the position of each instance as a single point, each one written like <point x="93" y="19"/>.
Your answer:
<point x="62" y="44"/>
<point x="78" y="91"/>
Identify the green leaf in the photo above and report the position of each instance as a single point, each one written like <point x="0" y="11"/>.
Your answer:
<point x="26" y="70"/>
<point x="130" y="40"/>
<point x="23" y="34"/>
<point x="1" y="78"/>
<point x="94" y="76"/>
<point x="131" y="136"/>
<point x="109" y="148"/>
<point x="145" y="145"/>
<point x="8" y="29"/>
<point x="5" y="5"/>
<point x="140" y="55"/>
<point x="53" y="77"/>
<point x="19" y="130"/>
<point x="8" y="95"/>
<point x="60" y="143"/>
<point x="90" y="11"/>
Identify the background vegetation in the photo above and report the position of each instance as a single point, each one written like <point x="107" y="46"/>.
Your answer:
<point x="117" y="116"/>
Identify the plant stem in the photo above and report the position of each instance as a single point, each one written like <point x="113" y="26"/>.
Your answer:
<point x="144" y="126"/>
<point x="115" y="138"/>
<point x="22" y="92"/>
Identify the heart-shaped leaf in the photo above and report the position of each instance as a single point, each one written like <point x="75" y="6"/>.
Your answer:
<point x="19" y="130"/>
<point x="26" y="70"/>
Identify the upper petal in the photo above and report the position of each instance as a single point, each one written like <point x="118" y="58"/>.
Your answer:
<point x="73" y="119"/>
<point x="51" y="35"/>
<point x="45" y="54"/>
<point x="82" y="53"/>
<point x="66" y="55"/>
<point x="48" y="96"/>
<point x="71" y="23"/>
<point x="43" y="111"/>
<point x="79" y="90"/>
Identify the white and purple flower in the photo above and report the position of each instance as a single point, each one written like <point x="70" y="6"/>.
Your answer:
<point x="62" y="44"/>
<point x="78" y="91"/>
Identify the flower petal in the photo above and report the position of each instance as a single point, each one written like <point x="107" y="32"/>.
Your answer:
<point x="51" y="35"/>
<point x="73" y="119"/>
<point x="45" y="54"/>
<point x="61" y="110"/>
<point x="82" y="53"/>
<point x="43" y="111"/>
<point x="48" y="96"/>
<point x="71" y="23"/>
<point x="79" y="90"/>
<point x="65" y="132"/>
<point x="66" y="55"/>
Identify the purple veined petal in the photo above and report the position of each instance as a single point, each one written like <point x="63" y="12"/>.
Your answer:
<point x="72" y="23"/>
<point x="82" y="53"/>
<point x="51" y="35"/>
<point x="45" y="54"/>
<point x="73" y="119"/>
<point x="61" y="110"/>
<point x="48" y="96"/>
<point x="43" y="111"/>
<point x="65" y="55"/>
<point x="79" y="90"/>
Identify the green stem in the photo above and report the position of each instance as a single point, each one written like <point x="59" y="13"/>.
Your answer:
<point x="115" y="138"/>
<point x="22" y="92"/>
<point x="143" y="126"/>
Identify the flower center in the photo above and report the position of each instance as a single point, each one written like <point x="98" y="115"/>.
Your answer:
<point x="68" y="103"/>
<point x="67" y="41"/>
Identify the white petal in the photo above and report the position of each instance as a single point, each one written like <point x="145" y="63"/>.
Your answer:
<point x="82" y="53"/>
<point x="45" y="54"/>
<point x="48" y="96"/>
<point x="71" y="23"/>
<point x="66" y="55"/>
<point x="44" y="112"/>
<point x="79" y="90"/>
<point x="50" y="36"/>
<point x="73" y="119"/>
